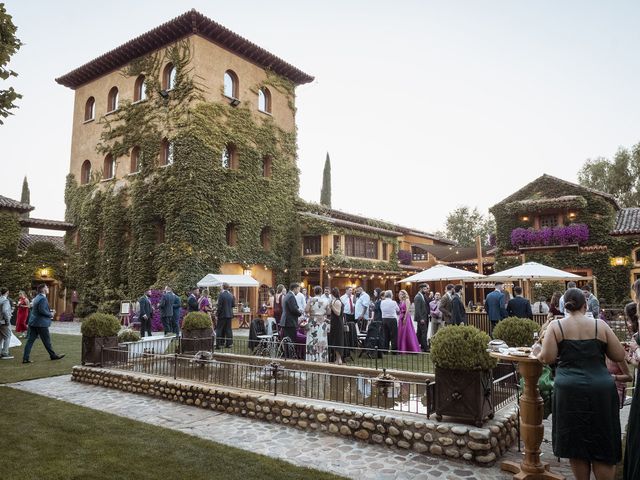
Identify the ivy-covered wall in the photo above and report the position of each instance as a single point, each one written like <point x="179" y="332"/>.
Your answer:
<point x="595" y="211"/>
<point x="13" y="275"/>
<point x="189" y="202"/>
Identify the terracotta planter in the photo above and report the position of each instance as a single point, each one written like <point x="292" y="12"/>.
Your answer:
<point x="464" y="395"/>
<point x="197" y="340"/>
<point x="92" y="348"/>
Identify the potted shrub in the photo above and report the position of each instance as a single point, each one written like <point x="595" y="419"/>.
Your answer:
<point x="516" y="332"/>
<point x="128" y="335"/>
<point x="463" y="373"/>
<point x="197" y="332"/>
<point x="99" y="330"/>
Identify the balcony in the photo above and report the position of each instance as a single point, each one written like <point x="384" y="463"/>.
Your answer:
<point x="551" y="237"/>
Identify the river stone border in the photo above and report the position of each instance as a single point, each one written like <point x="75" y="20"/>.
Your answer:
<point x="482" y="446"/>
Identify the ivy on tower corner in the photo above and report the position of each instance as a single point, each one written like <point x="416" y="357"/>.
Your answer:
<point x="167" y="224"/>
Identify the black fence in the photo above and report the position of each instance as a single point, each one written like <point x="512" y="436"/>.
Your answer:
<point x="504" y="390"/>
<point x="382" y="392"/>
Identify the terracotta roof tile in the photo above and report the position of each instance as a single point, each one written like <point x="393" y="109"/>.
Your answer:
<point x="26" y="240"/>
<point x="46" y="224"/>
<point x="10" y="204"/>
<point x="627" y="222"/>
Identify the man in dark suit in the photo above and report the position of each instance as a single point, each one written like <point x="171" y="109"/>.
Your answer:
<point x="421" y="315"/>
<point x="446" y="304"/>
<point x="192" y="302"/>
<point x="39" y="322"/>
<point x="224" y="312"/>
<point x="494" y="305"/>
<point x="177" y="310"/>
<point x="458" y="312"/>
<point x="290" y="313"/>
<point x="166" y="310"/>
<point x="519" y="306"/>
<point x="145" y="313"/>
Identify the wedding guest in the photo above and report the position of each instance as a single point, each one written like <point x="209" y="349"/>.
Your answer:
<point x="39" y="322"/>
<point x="561" y="304"/>
<point x="421" y="314"/>
<point x="436" y="316"/>
<point x="631" y="470"/>
<point x="407" y="339"/>
<point x="224" y="312"/>
<point x="192" y="300"/>
<point x="554" y="304"/>
<point x="301" y="299"/>
<point x="177" y="310"/>
<point x="317" y="308"/>
<point x="586" y="420"/>
<point x="390" y="310"/>
<point x="336" y="327"/>
<point x="362" y="309"/>
<point x="458" y="312"/>
<point x="204" y="303"/>
<point x="277" y="302"/>
<point x="23" y="314"/>
<point x="75" y="299"/>
<point x="290" y="313"/>
<point x="519" y="306"/>
<point x="446" y="302"/>
<point x="495" y="306"/>
<point x="327" y="293"/>
<point x="145" y="314"/>
<point x="349" y="305"/>
<point x="5" y="324"/>
<point x="593" y="305"/>
<point x="166" y="310"/>
<point x="271" y="302"/>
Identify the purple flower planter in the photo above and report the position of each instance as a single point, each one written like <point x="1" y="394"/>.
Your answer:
<point x="576" y="233"/>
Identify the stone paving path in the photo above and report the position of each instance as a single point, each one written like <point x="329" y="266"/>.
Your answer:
<point x="324" y="452"/>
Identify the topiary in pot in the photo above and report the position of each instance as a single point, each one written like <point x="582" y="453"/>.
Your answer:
<point x="463" y="373"/>
<point x="128" y="335"/>
<point x="99" y="331"/>
<point x="516" y="332"/>
<point x="197" y="333"/>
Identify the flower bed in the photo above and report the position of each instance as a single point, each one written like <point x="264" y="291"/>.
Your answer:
<point x="577" y="233"/>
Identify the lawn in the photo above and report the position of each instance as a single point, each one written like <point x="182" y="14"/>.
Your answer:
<point x="55" y="440"/>
<point x="15" y="371"/>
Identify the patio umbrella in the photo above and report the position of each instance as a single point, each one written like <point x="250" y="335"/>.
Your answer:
<point x="534" y="271"/>
<point x="442" y="273"/>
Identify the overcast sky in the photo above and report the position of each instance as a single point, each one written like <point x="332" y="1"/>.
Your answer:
<point x="422" y="105"/>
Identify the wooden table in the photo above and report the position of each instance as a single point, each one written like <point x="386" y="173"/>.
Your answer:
<point x="531" y="427"/>
<point x="243" y="319"/>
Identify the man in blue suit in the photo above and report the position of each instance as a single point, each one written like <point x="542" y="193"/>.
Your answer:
<point x="166" y="310"/>
<point x="494" y="305"/>
<point x="39" y="322"/>
<point x="145" y="314"/>
<point x="519" y="306"/>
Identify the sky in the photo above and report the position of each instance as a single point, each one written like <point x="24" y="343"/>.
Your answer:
<point x="423" y="105"/>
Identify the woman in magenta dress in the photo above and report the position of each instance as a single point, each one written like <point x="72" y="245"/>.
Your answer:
<point x="407" y="338"/>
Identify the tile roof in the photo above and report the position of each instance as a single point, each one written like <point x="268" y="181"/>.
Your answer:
<point x="10" y="204"/>
<point x="189" y="23"/>
<point x="46" y="224"/>
<point x="627" y="222"/>
<point x="350" y="224"/>
<point x="26" y="240"/>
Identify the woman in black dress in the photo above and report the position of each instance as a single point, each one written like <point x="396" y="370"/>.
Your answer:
<point x="631" y="469"/>
<point x="586" y="421"/>
<point x="336" y="328"/>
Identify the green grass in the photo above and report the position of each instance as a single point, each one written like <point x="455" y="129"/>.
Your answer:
<point x="15" y="371"/>
<point x="50" y="439"/>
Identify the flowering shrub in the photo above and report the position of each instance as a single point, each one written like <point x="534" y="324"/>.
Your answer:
<point x="404" y="257"/>
<point x="156" y="320"/>
<point x="576" y="233"/>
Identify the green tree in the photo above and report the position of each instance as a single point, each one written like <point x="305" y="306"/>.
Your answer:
<point x="25" y="196"/>
<point x="618" y="176"/>
<point x="9" y="45"/>
<point x="325" y="193"/>
<point x="464" y="225"/>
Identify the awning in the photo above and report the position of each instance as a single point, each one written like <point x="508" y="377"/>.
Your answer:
<point x="216" y="280"/>
<point x="442" y="273"/>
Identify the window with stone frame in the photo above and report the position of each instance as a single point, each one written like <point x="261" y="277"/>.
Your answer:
<point x="548" y="221"/>
<point x="311" y="244"/>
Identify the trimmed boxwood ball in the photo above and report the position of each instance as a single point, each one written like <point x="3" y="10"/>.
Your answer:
<point x="461" y="347"/>
<point x="128" y="335"/>
<point x="516" y="332"/>
<point x="196" y="321"/>
<point x="100" y="325"/>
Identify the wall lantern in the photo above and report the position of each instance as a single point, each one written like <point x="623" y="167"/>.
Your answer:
<point x="572" y="215"/>
<point x="43" y="272"/>
<point x="524" y="218"/>
<point x="247" y="272"/>
<point x="618" y="261"/>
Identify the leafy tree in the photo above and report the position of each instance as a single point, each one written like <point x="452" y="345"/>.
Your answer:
<point x="464" y="225"/>
<point x="619" y="176"/>
<point x="325" y="193"/>
<point x="9" y="45"/>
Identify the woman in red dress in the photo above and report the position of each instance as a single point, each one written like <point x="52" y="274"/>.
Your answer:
<point x="23" y="313"/>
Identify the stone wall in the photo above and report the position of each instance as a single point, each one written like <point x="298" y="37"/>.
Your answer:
<point x="482" y="446"/>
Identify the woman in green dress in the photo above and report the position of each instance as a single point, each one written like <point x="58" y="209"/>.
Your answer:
<point x="586" y="421"/>
<point x="631" y="468"/>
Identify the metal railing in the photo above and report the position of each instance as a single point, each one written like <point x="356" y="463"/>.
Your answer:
<point x="376" y="358"/>
<point x="504" y="390"/>
<point x="382" y="392"/>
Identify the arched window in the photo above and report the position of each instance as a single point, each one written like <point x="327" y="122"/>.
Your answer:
<point x="90" y="109"/>
<point x="230" y="157"/>
<point x="264" y="100"/>
<point x="266" y="166"/>
<point x="265" y="238"/>
<point x="232" y="234"/>
<point x="85" y="172"/>
<point x="230" y="84"/>
<point x="159" y="230"/>
<point x="136" y="160"/>
<point x="167" y="152"/>
<point x="139" y="89"/>
<point x="169" y="77"/>
<point x="112" y="100"/>
<point x="109" y="169"/>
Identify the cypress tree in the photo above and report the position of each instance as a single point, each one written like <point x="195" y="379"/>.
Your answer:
<point x="325" y="193"/>
<point x="25" y="196"/>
